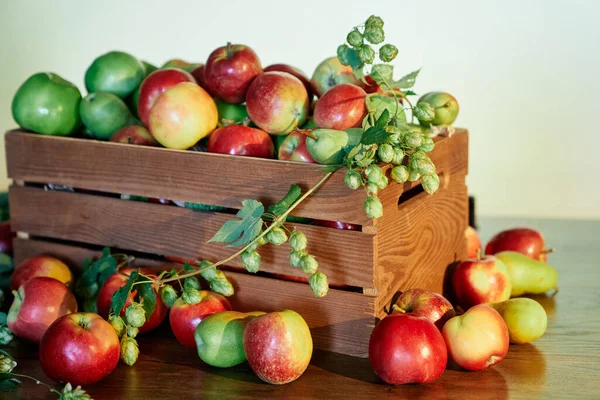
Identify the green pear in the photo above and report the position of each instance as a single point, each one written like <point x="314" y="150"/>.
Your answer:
<point x="528" y="275"/>
<point x="354" y="136"/>
<point x="525" y="318"/>
<point x="326" y="146"/>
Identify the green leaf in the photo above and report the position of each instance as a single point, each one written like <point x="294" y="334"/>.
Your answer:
<point x="409" y="93"/>
<point x="383" y="119"/>
<point x="6" y="263"/>
<point x="120" y="297"/>
<point x="251" y="232"/>
<point x="240" y="232"/>
<point x="379" y="103"/>
<point x="382" y="73"/>
<point x="148" y="296"/>
<point x="407" y="81"/>
<point x="8" y="384"/>
<point x="2" y="318"/>
<point x="173" y="272"/>
<point x="284" y="204"/>
<point x="332" y="168"/>
<point x="186" y="267"/>
<point x="374" y="135"/>
<point x="106" y="266"/>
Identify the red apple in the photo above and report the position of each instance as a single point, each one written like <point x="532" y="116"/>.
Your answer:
<point x="297" y="73"/>
<point x="241" y="140"/>
<point x="278" y="346"/>
<point x="277" y="102"/>
<point x="184" y="318"/>
<point x="79" y="348"/>
<point x="341" y="107"/>
<point x="425" y="303"/>
<point x="473" y="242"/>
<point x="116" y="281"/>
<point x="406" y="348"/>
<point x="133" y="134"/>
<point x="155" y="84"/>
<point x="477" y="339"/>
<point x="40" y="266"/>
<point x="182" y="115"/>
<point x="331" y="73"/>
<point x="230" y="70"/>
<point x="372" y="86"/>
<point x="338" y="225"/>
<point x="480" y="280"/>
<point x="293" y="148"/>
<point x="37" y="304"/>
<point x="6" y="237"/>
<point x="527" y="241"/>
<point x="198" y="74"/>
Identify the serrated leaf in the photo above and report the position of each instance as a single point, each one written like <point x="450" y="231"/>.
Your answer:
<point x="382" y="73"/>
<point x="360" y="75"/>
<point x="119" y="298"/>
<point x="251" y="209"/>
<point x="383" y="119"/>
<point x="331" y="168"/>
<point x="284" y="204"/>
<point x="106" y="268"/>
<point x="407" y="81"/>
<point x="148" y="296"/>
<point x="374" y="135"/>
<point x="353" y="59"/>
<point x="252" y="231"/>
<point x="378" y="103"/>
<point x="239" y="232"/>
<point x="409" y="93"/>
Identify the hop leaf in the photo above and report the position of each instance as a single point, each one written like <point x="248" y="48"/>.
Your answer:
<point x="191" y="296"/>
<point x="374" y="35"/>
<point x="399" y="174"/>
<point x="7" y="363"/>
<point x="385" y="152"/>
<point x="168" y="295"/>
<point x="424" y="112"/>
<point x="129" y="350"/>
<point x="298" y="241"/>
<point x="374" y="22"/>
<point x="407" y="81"/>
<point x="276" y="236"/>
<point x="373" y="207"/>
<point x="355" y="38"/>
<point x="251" y="261"/>
<point x="117" y="323"/>
<point x="318" y="283"/>
<point x="191" y="282"/>
<point x="296" y="258"/>
<point x="309" y="264"/>
<point x="382" y="73"/>
<point x="388" y="52"/>
<point x="352" y="179"/>
<point x="365" y="54"/>
<point x="284" y="204"/>
<point x="431" y="183"/>
<point x="68" y="393"/>
<point x="243" y="231"/>
<point x="135" y="315"/>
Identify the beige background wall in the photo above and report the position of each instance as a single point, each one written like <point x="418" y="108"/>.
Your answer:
<point x="526" y="73"/>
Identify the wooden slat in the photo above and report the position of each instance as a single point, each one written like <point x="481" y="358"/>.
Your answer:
<point x="345" y="256"/>
<point x="340" y="322"/>
<point x="184" y="175"/>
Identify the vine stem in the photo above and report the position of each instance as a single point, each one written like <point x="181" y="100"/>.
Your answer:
<point x="263" y="234"/>
<point x="37" y="381"/>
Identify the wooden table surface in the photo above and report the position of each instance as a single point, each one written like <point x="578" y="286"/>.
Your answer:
<point x="565" y="363"/>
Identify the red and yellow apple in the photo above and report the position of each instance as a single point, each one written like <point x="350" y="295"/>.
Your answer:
<point x="342" y="107"/>
<point x="527" y="241"/>
<point x="134" y="134"/>
<point x="425" y="303"/>
<point x="331" y="73"/>
<point x="37" y="304"/>
<point x="477" y="339"/>
<point x="297" y="73"/>
<point x="40" y="266"/>
<point x="473" y="242"/>
<point x="241" y="140"/>
<point x="481" y="280"/>
<point x="293" y="148"/>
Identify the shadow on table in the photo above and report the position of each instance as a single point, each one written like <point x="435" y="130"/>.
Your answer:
<point x="348" y="366"/>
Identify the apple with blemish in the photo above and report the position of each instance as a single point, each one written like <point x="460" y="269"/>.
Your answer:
<point x="40" y="266"/>
<point x="241" y="140"/>
<point x="425" y="303"/>
<point x="342" y="107"/>
<point x="297" y="73"/>
<point x="331" y="73"/>
<point x="277" y="102"/>
<point x="293" y="148"/>
<point x="134" y="134"/>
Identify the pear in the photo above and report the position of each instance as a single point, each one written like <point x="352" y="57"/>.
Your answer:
<point x="525" y="318"/>
<point x="354" y="136"/>
<point x="326" y="146"/>
<point x="527" y="275"/>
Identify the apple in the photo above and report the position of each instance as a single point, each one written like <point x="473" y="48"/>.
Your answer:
<point x="156" y="84"/>
<point x="184" y="317"/>
<point x="341" y="107"/>
<point x="134" y="134"/>
<point x="181" y="64"/>
<point x="297" y="73"/>
<point x="198" y="74"/>
<point x="79" y="348"/>
<point x="338" y="225"/>
<point x="293" y="148"/>
<point x="444" y="105"/>
<point x="406" y="348"/>
<point x="241" y="141"/>
<point x="473" y="242"/>
<point x="116" y="281"/>
<point x="40" y="266"/>
<point x="230" y="70"/>
<point x="477" y="339"/>
<point x="182" y="115"/>
<point x="425" y="303"/>
<point x="372" y="86"/>
<point x="277" y="102"/>
<point x="526" y="241"/>
<point x="278" y="346"/>
<point x="37" y="304"/>
<point x="115" y="72"/>
<point x="331" y="73"/>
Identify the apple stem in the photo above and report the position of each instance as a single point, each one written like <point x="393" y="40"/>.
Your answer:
<point x="228" y="50"/>
<point x="478" y="252"/>
<point x="396" y="309"/>
<point x="306" y="132"/>
<point x="546" y="251"/>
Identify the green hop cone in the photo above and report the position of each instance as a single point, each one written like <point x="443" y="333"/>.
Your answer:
<point x="5" y="335"/>
<point x="422" y="166"/>
<point x="414" y="176"/>
<point x="399" y="173"/>
<point x="276" y="236"/>
<point x="373" y="207"/>
<point x="251" y="261"/>
<point x="374" y="173"/>
<point x="413" y="139"/>
<point x="372" y="188"/>
<point x="68" y="393"/>
<point x="342" y="54"/>
<point x="298" y="241"/>
<point x="318" y="283"/>
<point x="355" y="38"/>
<point x="191" y="296"/>
<point x="374" y="22"/>
<point x="398" y="156"/>
<point x="386" y="153"/>
<point x="393" y="138"/>
<point x="135" y="315"/>
<point x="365" y="54"/>
<point x="427" y="144"/>
<point x="221" y="285"/>
<point x="388" y="52"/>
<point x="129" y="350"/>
<point x="168" y="295"/>
<point x="353" y="179"/>
<point x="191" y="282"/>
<point x="296" y="259"/>
<point x="117" y="323"/>
<point x="383" y="182"/>
<point x="7" y="364"/>
<point x="431" y="183"/>
<point x="208" y="273"/>
<point x="374" y="35"/>
<point x="132" y="331"/>
<point x="424" y="112"/>
<point x="309" y="264"/>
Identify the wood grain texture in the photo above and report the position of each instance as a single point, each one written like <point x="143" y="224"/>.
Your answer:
<point x="184" y="175"/>
<point x="563" y="364"/>
<point x="346" y="257"/>
<point x="340" y="322"/>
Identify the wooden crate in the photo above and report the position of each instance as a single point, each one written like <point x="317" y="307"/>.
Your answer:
<point x="410" y="246"/>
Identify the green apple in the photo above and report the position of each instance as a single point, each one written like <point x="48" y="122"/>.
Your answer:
<point x="444" y="105"/>
<point x="47" y="104"/>
<point x="231" y="114"/>
<point x="104" y="114"/>
<point x="148" y="68"/>
<point x="115" y="72"/>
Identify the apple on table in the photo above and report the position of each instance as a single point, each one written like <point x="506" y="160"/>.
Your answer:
<point x="40" y="266"/>
<point x="425" y="303"/>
